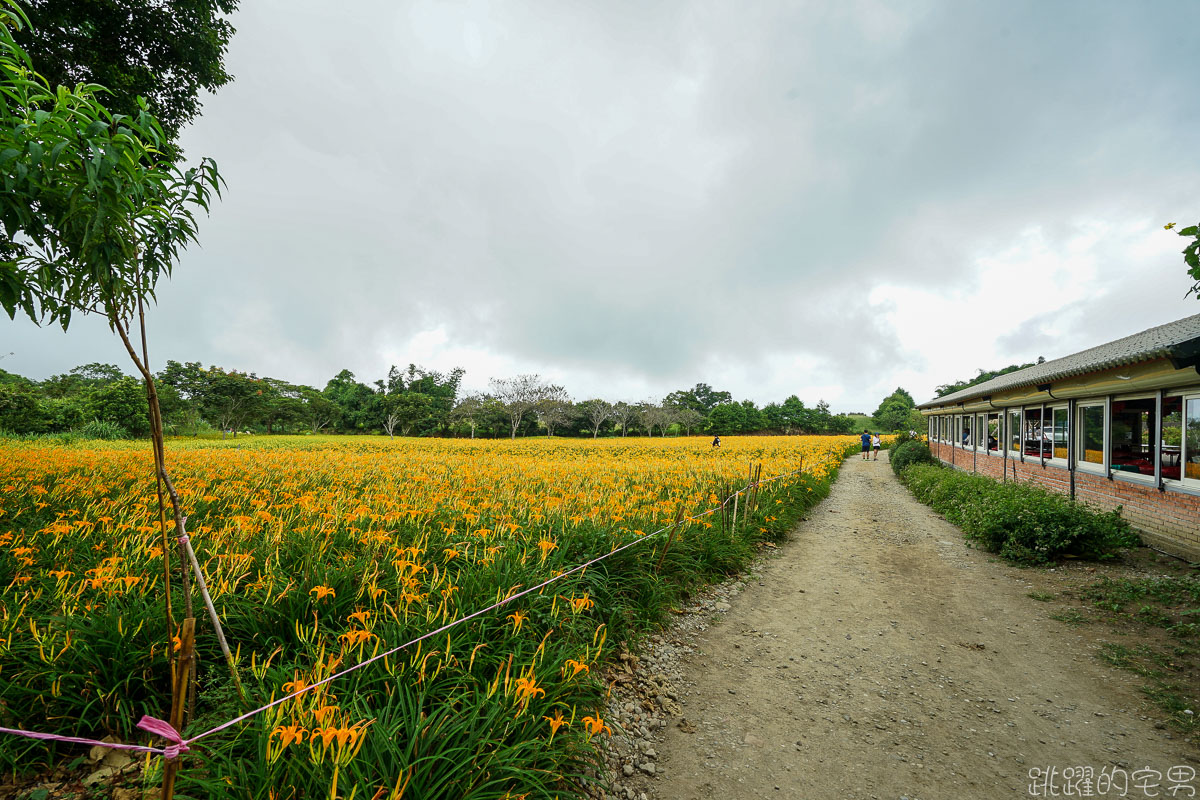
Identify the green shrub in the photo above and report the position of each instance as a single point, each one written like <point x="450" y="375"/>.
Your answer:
<point x="100" y="429"/>
<point x="1023" y="523"/>
<point x="908" y="453"/>
<point x="903" y="437"/>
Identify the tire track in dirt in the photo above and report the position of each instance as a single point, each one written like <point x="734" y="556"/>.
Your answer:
<point x="879" y="657"/>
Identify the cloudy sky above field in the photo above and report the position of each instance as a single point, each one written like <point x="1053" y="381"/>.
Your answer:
<point x="822" y="199"/>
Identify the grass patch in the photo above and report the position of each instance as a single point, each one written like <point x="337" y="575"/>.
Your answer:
<point x="1070" y="616"/>
<point x="1042" y="597"/>
<point x="1159" y="615"/>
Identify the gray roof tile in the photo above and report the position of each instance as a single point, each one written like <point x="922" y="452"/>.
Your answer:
<point x="1145" y="346"/>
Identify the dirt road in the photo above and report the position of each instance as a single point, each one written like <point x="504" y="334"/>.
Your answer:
<point x="879" y="657"/>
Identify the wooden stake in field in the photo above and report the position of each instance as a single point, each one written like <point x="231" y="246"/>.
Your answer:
<point x="670" y="536"/>
<point x="733" y="525"/>
<point x="187" y="640"/>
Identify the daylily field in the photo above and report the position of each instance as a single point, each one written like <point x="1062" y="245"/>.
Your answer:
<point x="321" y="551"/>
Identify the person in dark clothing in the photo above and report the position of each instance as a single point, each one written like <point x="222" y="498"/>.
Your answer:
<point x="716" y="441"/>
<point x="866" y="444"/>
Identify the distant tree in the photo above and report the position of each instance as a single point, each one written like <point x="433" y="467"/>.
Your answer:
<point x="651" y="415"/>
<point x="404" y="411"/>
<point x="752" y="419"/>
<point x="183" y="394"/>
<point x="553" y="409"/>
<point x="134" y="48"/>
<point x="123" y="403"/>
<point x="725" y="419"/>
<point x="701" y="397"/>
<point x="282" y="405"/>
<point x="793" y="416"/>
<point x="596" y="412"/>
<point x="520" y="395"/>
<point x="230" y="399"/>
<point x="358" y="405"/>
<point x="981" y="376"/>
<point x="19" y="412"/>
<point x="439" y="389"/>
<point x="319" y="411"/>
<point x="895" y="411"/>
<point x="688" y="419"/>
<point x="469" y="411"/>
<point x="623" y="414"/>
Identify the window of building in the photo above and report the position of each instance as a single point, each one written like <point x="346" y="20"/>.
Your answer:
<point x="1014" y="430"/>
<point x="1180" y="446"/>
<point x="1089" y="443"/>
<point x="1131" y="436"/>
<point x="1171" y="441"/>
<point x="1191" y="440"/>
<point x="995" y="433"/>
<point x="1031" y="432"/>
<point x="1058" y="433"/>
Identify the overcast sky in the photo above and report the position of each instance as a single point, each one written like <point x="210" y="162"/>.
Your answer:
<point x="822" y="199"/>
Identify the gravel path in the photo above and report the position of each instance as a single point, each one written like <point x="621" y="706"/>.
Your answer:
<point x="877" y="656"/>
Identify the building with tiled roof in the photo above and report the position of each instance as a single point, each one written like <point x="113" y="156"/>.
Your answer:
<point x="1114" y="425"/>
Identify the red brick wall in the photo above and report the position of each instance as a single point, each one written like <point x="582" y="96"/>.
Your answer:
<point x="1168" y="520"/>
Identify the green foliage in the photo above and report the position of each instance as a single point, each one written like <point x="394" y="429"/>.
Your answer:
<point x="123" y="405"/>
<point x="1191" y="254"/>
<point x="133" y="49"/>
<point x="981" y="376"/>
<point x="903" y="437"/>
<point x="908" y="453"/>
<point x="101" y="429"/>
<point x="19" y="412"/>
<point x="702" y="398"/>
<point x="1025" y="524"/>
<point x="93" y="213"/>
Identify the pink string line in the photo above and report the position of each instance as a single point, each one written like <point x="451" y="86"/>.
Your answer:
<point x="180" y="745"/>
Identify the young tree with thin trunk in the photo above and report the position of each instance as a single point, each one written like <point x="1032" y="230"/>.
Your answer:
<point x="553" y="409"/>
<point x="623" y="414"/>
<point x="92" y="217"/>
<point x="596" y="412"/>
<point x="519" y="395"/>
<point x="469" y="411"/>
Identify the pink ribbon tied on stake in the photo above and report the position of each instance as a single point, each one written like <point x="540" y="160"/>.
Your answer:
<point x="167" y="731"/>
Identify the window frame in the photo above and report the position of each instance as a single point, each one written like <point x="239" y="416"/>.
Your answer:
<point x="1134" y="477"/>
<point x="1080" y="462"/>
<point x="1185" y="396"/>
<point x="1065" y="408"/>
<point x="1011" y="412"/>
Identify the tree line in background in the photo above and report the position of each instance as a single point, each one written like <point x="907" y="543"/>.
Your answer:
<point x="99" y="400"/>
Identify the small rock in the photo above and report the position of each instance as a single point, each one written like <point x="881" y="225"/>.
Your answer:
<point x="647" y="767"/>
<point x="99" y="775"/>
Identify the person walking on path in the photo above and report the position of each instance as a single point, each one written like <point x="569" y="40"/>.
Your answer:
<point x="875" y="446"/>
<point x="866" y="444"/>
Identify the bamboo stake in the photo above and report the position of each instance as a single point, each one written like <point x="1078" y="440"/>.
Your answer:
<point x="187" y="639"/>
<point x="733" y="525"/>
<point x="212" y="613"/>
<point x="670" y="536"/>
